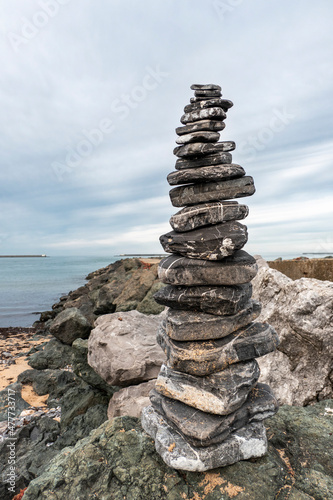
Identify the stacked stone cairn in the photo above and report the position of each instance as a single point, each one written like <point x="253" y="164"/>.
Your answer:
<point x="207" y="407"/>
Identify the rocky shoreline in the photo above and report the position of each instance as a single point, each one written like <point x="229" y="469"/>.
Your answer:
<point x="96" y="457"/>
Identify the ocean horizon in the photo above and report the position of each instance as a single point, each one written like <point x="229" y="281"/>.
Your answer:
<point x="29" y="286"/>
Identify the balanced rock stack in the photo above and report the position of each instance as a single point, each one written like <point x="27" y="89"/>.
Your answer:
<point x="207" y="408"/>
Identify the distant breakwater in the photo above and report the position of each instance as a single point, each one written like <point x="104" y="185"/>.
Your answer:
<point x="15" y="256"/>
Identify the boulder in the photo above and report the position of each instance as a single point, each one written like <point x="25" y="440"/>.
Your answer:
<point x="119" y="460"/>
<point x="69" y="325"/>
<point x="54" y="354"/>
<point x="301" y="311"/>
<point x="130" y="400"/>
<point x="122" y="348"/>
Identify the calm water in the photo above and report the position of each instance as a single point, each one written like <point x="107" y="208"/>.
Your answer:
<point x="31" y="285"/>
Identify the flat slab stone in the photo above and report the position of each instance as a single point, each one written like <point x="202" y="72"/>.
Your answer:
<point x="248" y="442"/>
<point x="234" y="270"/>
<point x="210" y="242"/>
<point x="203" y="114"/>
<point x="205" y="86"/>
<point x="203" y="148"/>
<point x="212" y="191"/>
<point x="207" y="93"/>
<point x="206" y="174"/>
<point x="201" y="358"/>
<point x="213" y="125"/>
<point x="215" y="102"/>
<point x="196" y="216"/>
<point x="203" y="161"/>
<point x="201" y="136"/>
<point x="205" y="429"/>
<point x="220" y="393"/>
<point x="218" y="300"/>
<point x="189" y="326"/>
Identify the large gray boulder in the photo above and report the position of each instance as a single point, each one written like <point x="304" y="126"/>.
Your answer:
<point x="69" y="325"/>
<point x="122" y="348"/>
<point x="301" y="311"/>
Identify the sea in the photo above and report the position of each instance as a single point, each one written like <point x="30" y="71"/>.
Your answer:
<point x="31" y="285"/>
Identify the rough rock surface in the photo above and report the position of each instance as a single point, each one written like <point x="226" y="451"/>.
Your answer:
<point x="53" y="355"/>
<point x="209" y="125"/>
<point x="211" y="191"/>
<point x="69" y="325"/>
<point x="215" y="102"/>
<point x="203" y="114"/>
<point x="130" y="400"/>
<point x="211" y="243"/>
<point x="122" y="348"/>
<point x="118" y="459"/>
<point x="201" y="136"/>
<point x="220" y="392"/>
<point x="202" y="148"/>
<point x="300" y="371"/>
<point x="235" y="270"/>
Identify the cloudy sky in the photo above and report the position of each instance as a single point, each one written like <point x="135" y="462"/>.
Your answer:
<point x="91" y="92"/>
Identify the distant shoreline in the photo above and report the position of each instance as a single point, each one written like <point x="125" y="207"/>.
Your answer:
<point x="15" y="256"/>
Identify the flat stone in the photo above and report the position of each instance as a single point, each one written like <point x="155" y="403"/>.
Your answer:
<point x="201" y="358"/>
<point x="204" y="174"/>
<point x="213" y="125"/>
<point x="205" y="86"/>
<point x="216" y="102"/>
<point x="220" y="393"/>
<point x="207" y="93"/>
<point x="203" y="114"/>
<point x="201" y="136"/>
<point x="212" y="191"/>
<point x="190" y="326"/>
<point x="248" y="442"/>
<point x="210" y="242"/>
<point x="122" y="348"/>
<point x="235" y="270"/>
<point x="204" y="214"/>
<point x="219" y="300"/>
<point x="202" y="148"/>
<point x="203" y="161"/>
<point x="204" y="429"/>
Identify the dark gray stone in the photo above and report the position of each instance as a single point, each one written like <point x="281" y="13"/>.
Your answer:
<point x="53" y="355"/>
<point x="204" y="429"/>
<point x="203" y="161"/>
<point x="204" y="214"/>
<point x="203" y="148"/>
<point x="11" y="402"/>
<point x="220" y="300"/>
<point x="212" y="191"/>
<point x="210" y="242"/>
<point x="213" y="125"/>
<point x="235" y="270"/>
<point x="201" y="358"/>
<point x="201" y="136"/>
<point x="69" y="325"/>
<point x="205" y="86"/>
<point x="220" y="393"/>
<point x="206" y="94"/>
<point x="204" y="174"/>
<point x="215" y="102"/>
<point x="248" y="442"/>
<point x="203" y="114"/>
<point x="191" y="326"/>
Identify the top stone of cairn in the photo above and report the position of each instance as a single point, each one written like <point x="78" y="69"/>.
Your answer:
<point x="208" y="86"/>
